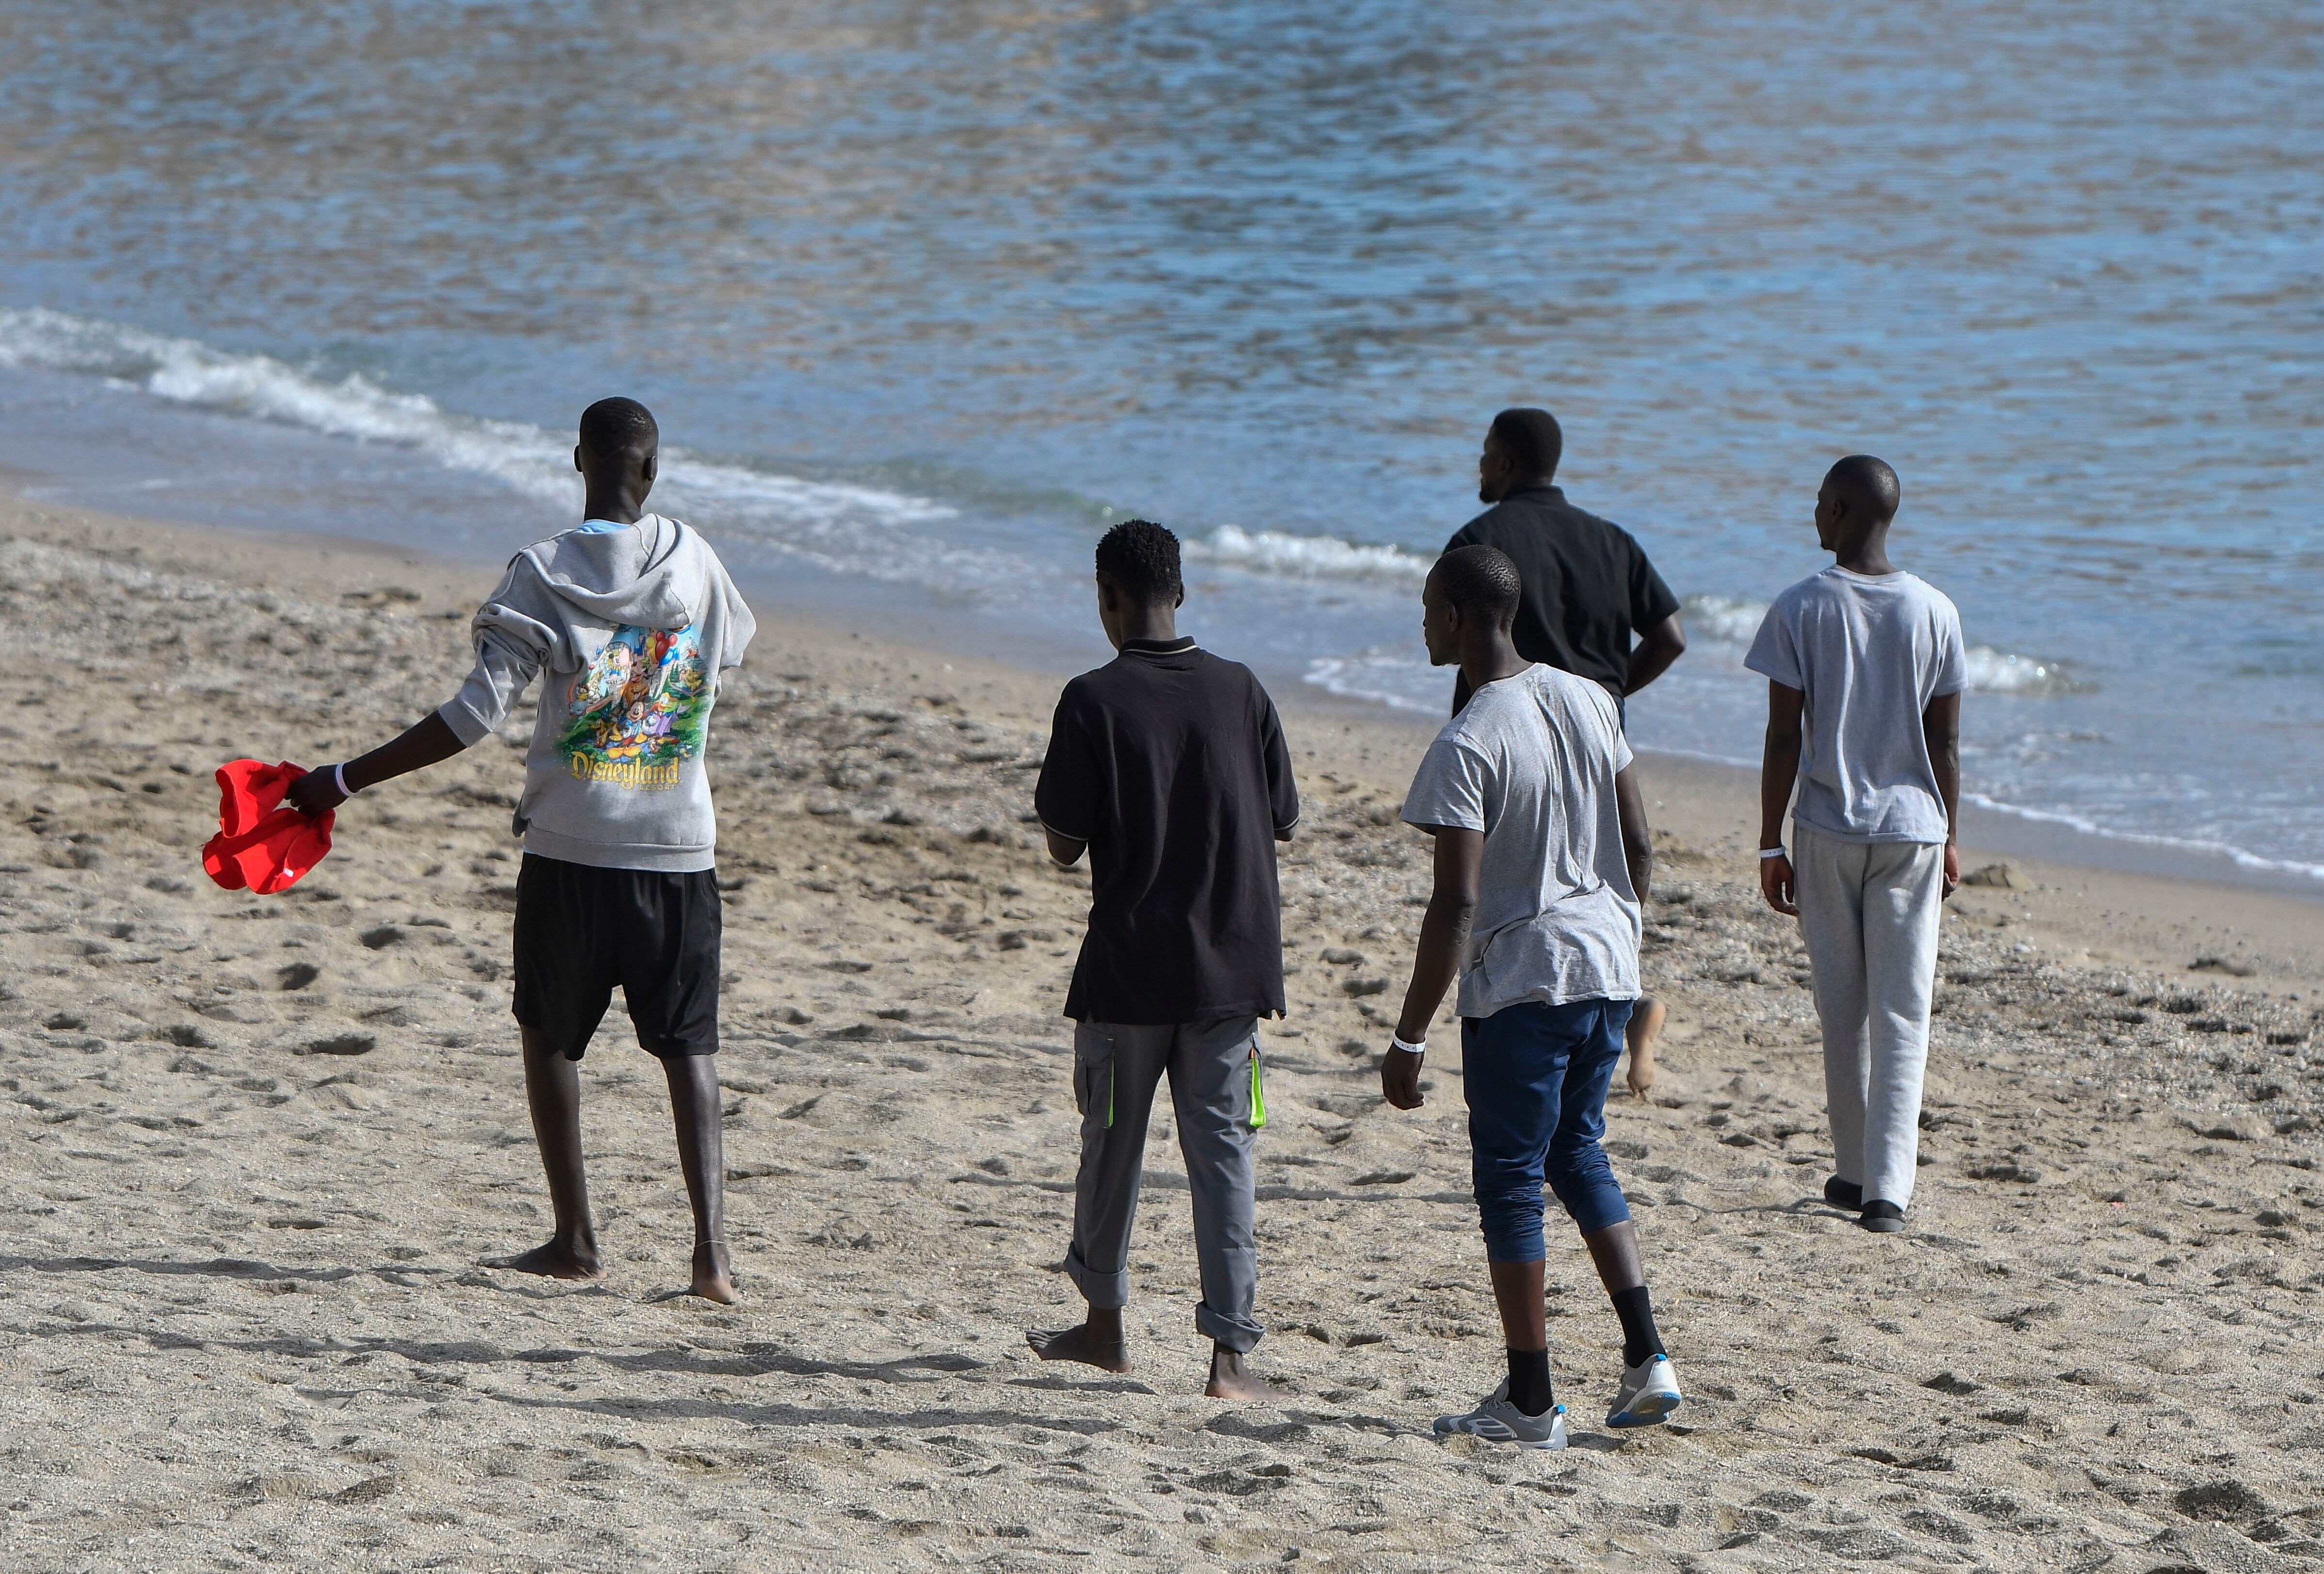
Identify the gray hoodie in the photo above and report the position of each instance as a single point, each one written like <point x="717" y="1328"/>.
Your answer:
<point x="632" y="626"/>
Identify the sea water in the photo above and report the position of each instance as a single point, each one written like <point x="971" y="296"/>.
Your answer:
<point x="926" y="295"/>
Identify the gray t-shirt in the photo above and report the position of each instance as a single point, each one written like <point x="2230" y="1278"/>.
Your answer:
<point x="1869" y="652"/>
<point x="1530" y="761"/>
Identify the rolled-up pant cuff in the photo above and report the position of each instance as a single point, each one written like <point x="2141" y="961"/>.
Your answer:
<point x="1106" y="1292"/>
<point x="1597" y="1210"/>
<point x="1239" y="1334"/>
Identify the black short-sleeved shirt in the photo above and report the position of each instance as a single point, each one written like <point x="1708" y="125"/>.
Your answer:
<point x="1588" y="585"/>
<point x="1171" y="765"/>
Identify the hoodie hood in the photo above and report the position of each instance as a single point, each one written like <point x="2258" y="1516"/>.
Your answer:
<point x="618" y="576"/>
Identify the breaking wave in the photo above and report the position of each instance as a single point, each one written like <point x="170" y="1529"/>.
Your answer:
<point x="812" y="518"/>
<point x="1306" y="557"/>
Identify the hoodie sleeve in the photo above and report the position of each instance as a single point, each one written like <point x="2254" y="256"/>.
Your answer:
<point x="739" y="624"/>
<point x="511" y="647"/>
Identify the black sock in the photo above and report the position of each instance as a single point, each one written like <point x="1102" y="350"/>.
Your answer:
<point x="1529" y="1388"/>
<point x="1641" y="1342"/>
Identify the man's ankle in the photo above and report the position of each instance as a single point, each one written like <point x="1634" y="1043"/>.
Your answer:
<point x="1529" y="1385"/>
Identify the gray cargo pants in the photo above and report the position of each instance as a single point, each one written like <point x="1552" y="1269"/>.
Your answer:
<point x="1215" y="1088"/>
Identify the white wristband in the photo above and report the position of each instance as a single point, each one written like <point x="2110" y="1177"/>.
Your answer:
<point x="339" y="781"/>
<point x="1395" y="1041"/>
<point x="1773" y="852"/>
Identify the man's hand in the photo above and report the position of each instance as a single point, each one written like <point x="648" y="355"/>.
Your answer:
<point x="1776" y="884"/>
<point x="1952" y="870"/>
<point x="418" y="746"/>
<point x="1400" y="1078"/>
<point x="315" y="793"/>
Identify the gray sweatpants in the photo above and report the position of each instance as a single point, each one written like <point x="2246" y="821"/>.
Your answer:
<point x="1868" y="912"/>
<point x="1214" y="1069"/>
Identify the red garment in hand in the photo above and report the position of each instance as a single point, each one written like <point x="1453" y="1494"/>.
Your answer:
<point x="262" y="842"/>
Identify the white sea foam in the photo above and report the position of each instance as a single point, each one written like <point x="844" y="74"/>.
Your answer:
<point x="2240" y="856"/>
<point x="1729" y="620"/>
<point x="1722" y="618"/>
<point x="1305" y="557"/>
<point x="1992" y="671"/>
<point x="784" y="511"/>
<point x="1384" y="675"/>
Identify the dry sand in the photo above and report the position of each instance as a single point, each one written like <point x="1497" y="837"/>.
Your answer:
<point x="256" y="1150"/>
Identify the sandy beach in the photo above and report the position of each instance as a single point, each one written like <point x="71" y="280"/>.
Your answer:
<point x="256" y="1149"/>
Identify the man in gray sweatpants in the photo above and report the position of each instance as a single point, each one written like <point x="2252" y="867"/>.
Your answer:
<point x="1865" y="670"/>
<point x="1167" y="766"/>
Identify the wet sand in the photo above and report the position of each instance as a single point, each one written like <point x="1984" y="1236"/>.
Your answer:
<point x="256" y="1149"/>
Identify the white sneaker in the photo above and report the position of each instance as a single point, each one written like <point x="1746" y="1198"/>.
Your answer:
<point x="1649" y="1394"/>
<point x="1496" y="1420"/>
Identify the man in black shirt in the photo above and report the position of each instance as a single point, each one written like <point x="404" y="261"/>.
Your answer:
<point x="1168" y="765"/>
<point x="1588" y="590"/>
<point x="1587" y="587"/>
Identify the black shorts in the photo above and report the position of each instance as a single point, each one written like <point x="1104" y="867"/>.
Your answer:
<point x="582" y="929"/>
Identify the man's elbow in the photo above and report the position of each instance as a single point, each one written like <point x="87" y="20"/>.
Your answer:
<point x="1670" y="639"/>
<point x="1457" y="908"/>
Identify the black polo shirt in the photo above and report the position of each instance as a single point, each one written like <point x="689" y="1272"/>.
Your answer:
<point x="1171" y="765"/>
<point x="1588" y="585"/>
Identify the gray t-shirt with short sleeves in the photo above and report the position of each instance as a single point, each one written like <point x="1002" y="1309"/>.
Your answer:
<point x="1869" y="652"/>
<point x="1530" y="761"/>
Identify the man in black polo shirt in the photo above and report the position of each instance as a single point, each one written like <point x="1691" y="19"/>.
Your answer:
<point x="1169" y="766"/>
<point x="1588" y="590"/>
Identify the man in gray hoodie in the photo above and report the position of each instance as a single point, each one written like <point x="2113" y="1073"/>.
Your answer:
<point x="628" y="619"/>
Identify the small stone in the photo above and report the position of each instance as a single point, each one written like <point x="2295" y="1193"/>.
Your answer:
<point x="2220" y="1500"/>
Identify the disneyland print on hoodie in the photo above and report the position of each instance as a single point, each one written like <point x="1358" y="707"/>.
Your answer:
<point x="639" y="710"/>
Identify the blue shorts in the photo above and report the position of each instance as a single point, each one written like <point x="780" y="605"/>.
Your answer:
<point x="1536" y="1079"/>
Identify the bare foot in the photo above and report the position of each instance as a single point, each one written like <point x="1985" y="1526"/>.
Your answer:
<point x="1645" y="1027"/>
<point x="1081" y="1344"/>
<point x="713" y="1274"/>
<point x="552" y="1260"/>
<point x="1233" y="1378"/>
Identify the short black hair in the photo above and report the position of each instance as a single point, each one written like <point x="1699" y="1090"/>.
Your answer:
<point x="1533" y="440"/>
<point x="1481" y="581"/>
<point x="610" y="425"/>
<point x="1142" y="558"/>
<point x="1868" y="484"/>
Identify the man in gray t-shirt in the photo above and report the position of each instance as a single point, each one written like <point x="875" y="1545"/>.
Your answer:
<point x="1530" y="764"/>
<point x="1865" y="671"/>
<point x="1542" y="856"/>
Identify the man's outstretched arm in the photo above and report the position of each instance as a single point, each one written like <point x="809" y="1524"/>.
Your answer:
<point x="1436" y="962"/>
<point x="419" y="745"/>
<point x="1656" y="648"/>
<point x="1779" y="769"/>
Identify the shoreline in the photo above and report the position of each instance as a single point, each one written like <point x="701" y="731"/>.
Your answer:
<point x="2085" y="899"/>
